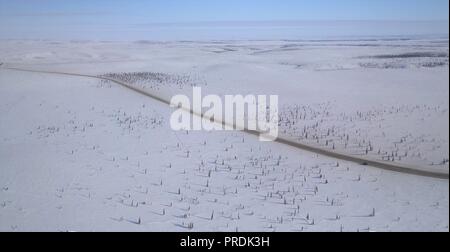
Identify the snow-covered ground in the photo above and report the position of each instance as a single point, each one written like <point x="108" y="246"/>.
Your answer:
<point x="79" y="154"/>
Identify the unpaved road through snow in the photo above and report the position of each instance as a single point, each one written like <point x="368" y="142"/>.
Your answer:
<point x="391" y="166"/>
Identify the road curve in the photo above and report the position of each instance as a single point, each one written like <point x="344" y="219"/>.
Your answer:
<point x="391" y="166"/>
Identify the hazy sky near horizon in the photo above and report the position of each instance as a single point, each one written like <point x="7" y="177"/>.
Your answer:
<point x="99" y="19"/>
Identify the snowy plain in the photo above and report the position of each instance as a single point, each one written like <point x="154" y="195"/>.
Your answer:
<point x="80" y="154"/>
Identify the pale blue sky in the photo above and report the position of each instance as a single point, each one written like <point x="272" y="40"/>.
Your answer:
<point x="89" y="18"/>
